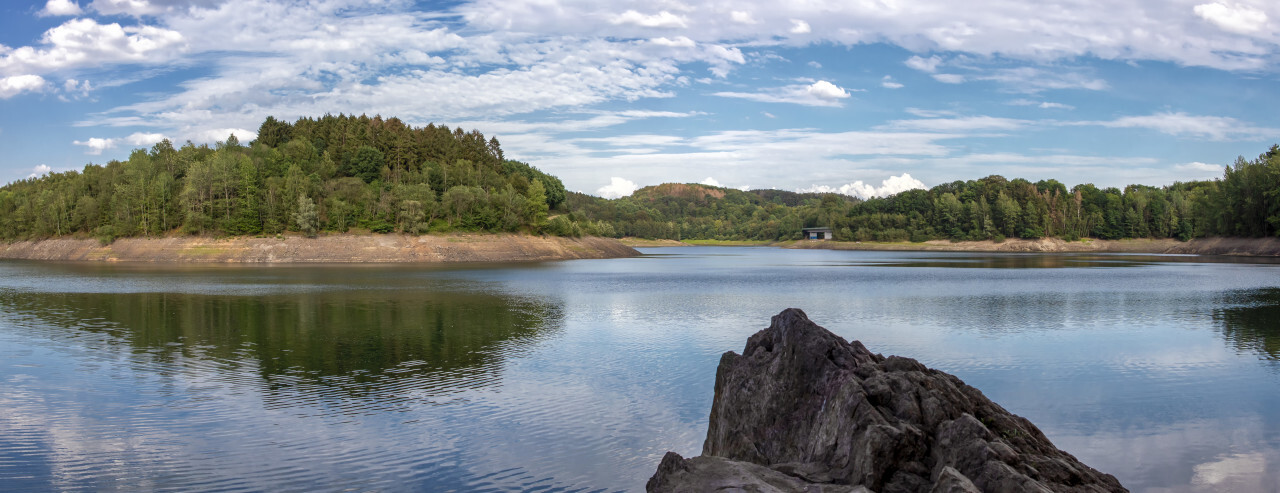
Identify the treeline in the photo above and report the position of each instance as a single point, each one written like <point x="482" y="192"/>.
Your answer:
<point x="1245" y="202"/>
<point x="336" y="173"/>
<point x="331" y="173"/>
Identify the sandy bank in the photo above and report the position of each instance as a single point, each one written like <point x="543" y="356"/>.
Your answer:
<point x="329" y="248"/>
<point x="1200" y="246"/>
<point x="634" y="242"/>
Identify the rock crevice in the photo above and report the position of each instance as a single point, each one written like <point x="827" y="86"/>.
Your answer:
<point x="801" y="409"/>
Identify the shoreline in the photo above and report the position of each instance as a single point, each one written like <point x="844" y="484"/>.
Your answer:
<point x="1248" y="247"/>
<point x="1243" y="247"/>
<point x="338" y="248"/>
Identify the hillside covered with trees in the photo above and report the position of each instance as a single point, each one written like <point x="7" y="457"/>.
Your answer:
<point x="1245" y="202"/>
<point x="335" y="173"/>
<point x="331" y="173"/>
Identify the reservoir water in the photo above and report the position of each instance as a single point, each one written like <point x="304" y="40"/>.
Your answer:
<point x="579" y="375"/>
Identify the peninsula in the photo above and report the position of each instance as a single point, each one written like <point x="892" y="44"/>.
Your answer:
<point x="340" y="248"/>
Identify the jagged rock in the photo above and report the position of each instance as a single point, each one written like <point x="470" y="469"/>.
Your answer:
<point x="803" y="410"/>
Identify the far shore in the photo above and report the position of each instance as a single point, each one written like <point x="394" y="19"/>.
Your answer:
<point x="1264" y="247"/>
<point x="334" y="248"/>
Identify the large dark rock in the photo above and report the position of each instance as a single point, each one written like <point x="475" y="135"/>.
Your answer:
<point x="803" y="410"/>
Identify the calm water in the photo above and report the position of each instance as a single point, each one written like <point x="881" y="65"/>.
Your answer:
<point x="578" y="376"/>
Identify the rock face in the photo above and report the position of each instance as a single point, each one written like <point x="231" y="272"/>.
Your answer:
<point x="803" y="410"/>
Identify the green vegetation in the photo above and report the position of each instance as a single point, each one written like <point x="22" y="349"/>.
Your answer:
<point x="335" y="173"/>
<point x="327" y="174"/>
<point x="1245" y="202"/>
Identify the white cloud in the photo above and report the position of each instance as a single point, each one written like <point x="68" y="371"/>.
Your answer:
<point x="1236" y="18"/>
<point x="742" y="17"/>
<point x="711" y="182"/>
<point x="958" y="124"/>
<point x="815" y="64"/>
<point x="75" y="89"/>
<point x="82" y="42"/>
<point x="929" y="65"/>
<point x="768" y="114"/>
<point x="144" y="139"/>
<point x="221" y="135"/>
<point x="138" y="8"/>
<point x="60" y="8"/>
<point x="512" y="60"/>
<point x="890" y="186"/>
<point x="1215" y="128"/>
<point x="40" y="170"/>
<point x="18" y="84"/>
<point x="677" y="42"/>
<point x="1047" y="105"/>
<point x="1030" y="31"/>
<point x="1033" y="80"/>
<point x="97" y="145"/>
<point x="617" y="187"/>
<point x="826" y="91"/>
<point x="663" y="19"/>
<point x="888" y="83"/>
<point x="949" y="78"/>
<point x="820" y="93"/>
<point x="1199" y="167"/>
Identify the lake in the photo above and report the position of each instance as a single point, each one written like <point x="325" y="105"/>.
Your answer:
<point x="579" y="375"/>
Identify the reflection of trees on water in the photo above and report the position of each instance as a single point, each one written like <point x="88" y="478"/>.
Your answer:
<point x="358" y="341"/>
<point x="1016" y="261"/>
<point x="1252" y="322"/>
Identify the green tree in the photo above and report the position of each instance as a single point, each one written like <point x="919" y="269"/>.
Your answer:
<point x="536" y="207"/>
<point x="307" y="219"/>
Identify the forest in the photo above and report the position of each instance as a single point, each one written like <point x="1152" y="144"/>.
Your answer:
<point x="333" y="173"/>
<point x="344" y="173"/>
<point x="1245" y="202"/>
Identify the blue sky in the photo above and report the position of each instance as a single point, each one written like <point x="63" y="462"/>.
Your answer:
<point x="867" y="97"/>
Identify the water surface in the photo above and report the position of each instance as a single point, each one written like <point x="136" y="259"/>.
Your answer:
<point x="579" y="375"/>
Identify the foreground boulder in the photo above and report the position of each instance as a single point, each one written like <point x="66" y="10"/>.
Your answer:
<point x="803" y="410"/>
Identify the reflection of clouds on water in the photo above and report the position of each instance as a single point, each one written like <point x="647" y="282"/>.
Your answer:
<point x="543" y="426"/>
<point x="579" y="375"/>
<point x="1179" y="457"/>
<point x="1237" y="472"/>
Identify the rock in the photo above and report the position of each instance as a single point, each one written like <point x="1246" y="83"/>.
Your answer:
<point x="701" y="474"/>
<point x="803" y="410"/>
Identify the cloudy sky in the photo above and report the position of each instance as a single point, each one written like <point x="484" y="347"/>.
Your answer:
<point x="860" y="96"/>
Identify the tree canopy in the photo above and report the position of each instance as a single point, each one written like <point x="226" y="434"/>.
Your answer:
<point x="331" y="173"/>
<point x="1245" y="202"/>
<point x="335" y="173"/>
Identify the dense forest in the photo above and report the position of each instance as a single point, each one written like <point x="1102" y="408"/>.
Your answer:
<point x="331" y="173"/>
<point x="1244" y="202"/>
<point x="335" y="173"/>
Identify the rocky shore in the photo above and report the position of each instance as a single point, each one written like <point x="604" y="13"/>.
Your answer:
<point x="803" y="410"/>
<point x="329" y="248"/>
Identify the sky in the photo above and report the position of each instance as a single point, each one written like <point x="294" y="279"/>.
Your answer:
<point x="863" y="97"/>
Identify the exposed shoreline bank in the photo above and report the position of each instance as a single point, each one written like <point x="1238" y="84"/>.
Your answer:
<point x="340" y="248"/>
<point x="1245" y="247"/>
<point x="1256" y="247"/>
